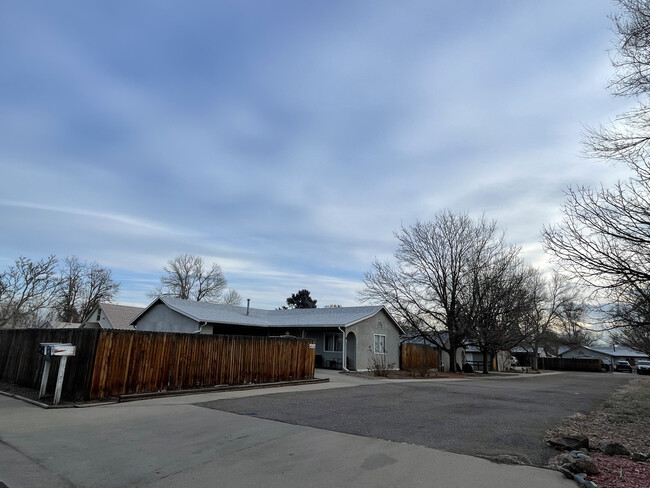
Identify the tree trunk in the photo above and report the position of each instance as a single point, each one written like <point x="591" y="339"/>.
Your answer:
<point x="485" y="362"/>
<point x="452" y="355"/>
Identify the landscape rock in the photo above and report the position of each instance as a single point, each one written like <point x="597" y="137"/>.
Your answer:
<point x="582" y="465"/>
<point x="640" y="457"/>
<point x="589" y="484"/>
<point x="569" y="443"/>
<point x="612" y="448"/>
<point x="579" y="454"/>
<point x="565" y="471"/>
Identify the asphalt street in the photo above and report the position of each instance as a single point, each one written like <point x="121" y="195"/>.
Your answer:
<point x="479" y="416"/>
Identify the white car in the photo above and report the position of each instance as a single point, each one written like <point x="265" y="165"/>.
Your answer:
<point x="643" y="367"/>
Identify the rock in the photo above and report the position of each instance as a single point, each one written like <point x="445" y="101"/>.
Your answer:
<point x="569" y="443"/>
<point x="582" y="465"/>
<point x="565" y="471"/>
<point x="589" y="484"/>
<point x="639" y="457"/>
<point x="579" y="454"/>
<point x="612" y="448"/>
<point x="565" y="459"/>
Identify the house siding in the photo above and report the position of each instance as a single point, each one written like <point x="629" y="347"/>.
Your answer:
<point x="160" y="318"/>
<point x="365" y="330"/>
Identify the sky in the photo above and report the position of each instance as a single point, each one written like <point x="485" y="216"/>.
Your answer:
<point x="287" y="141"/>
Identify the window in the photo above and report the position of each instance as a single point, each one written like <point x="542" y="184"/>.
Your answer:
<point x="333" y="342"/>
<point x="99" y="314"/>
<point x="380" y="344"/>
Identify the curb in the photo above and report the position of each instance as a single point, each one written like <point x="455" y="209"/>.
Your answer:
<point x="158" y="394"/>
<point x="215" y="389"/>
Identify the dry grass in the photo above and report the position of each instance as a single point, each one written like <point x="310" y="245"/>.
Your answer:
<point x="623" y="417"/>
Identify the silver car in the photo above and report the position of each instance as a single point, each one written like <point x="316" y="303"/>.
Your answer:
<point x="643" y="367"/>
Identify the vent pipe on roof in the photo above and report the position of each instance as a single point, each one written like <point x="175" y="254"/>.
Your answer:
<point x="248" y="305"/>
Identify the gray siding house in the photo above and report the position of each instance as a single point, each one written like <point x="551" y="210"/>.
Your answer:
<point x="111" y="316"/>
<point x="346" y="337"/>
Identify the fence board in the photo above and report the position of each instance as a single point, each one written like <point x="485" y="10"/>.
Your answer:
<point x="571" y="364"/>
<point x="112" y="362"/>
<point x="417" y="356"/>
<point x="21" y="363"/>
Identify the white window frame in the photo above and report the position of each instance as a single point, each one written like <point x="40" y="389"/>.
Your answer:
<point x="379" y="340"/>
<point x="334" y="336"/>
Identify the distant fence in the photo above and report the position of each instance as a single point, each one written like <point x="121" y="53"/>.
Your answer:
<point x="110" y="363"/>
<point x="417" y="356"/>
<point x="571" y="364"/>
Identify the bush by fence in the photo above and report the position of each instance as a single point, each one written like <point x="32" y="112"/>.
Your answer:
<point x="110" y="363"/>
<point x="571" y="364"/>
<point x="418" y="356"/>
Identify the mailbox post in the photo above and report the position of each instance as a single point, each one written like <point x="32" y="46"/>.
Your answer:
<point x="49" y="349"/>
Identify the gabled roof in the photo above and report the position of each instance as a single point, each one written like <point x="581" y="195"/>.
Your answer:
<point x="120" y="316"/>
<point x="617" y="351"/>
<point x="57" y="324"/>
<point x="216" y="313"/>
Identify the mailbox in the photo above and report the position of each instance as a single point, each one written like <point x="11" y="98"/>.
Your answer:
<point x="49" y="349"/>
<point x="56" y="349"/>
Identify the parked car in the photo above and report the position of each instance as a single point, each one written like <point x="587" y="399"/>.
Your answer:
<point x="623" y="366"/>
<point x="643" y="367"/>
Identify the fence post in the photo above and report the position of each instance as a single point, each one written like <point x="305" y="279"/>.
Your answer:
<point x="46" y="374"/>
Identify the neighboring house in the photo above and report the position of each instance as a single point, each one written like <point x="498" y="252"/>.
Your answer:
<point x="608" y="354"/>
<point x="346" y="337"/>
<point x="56" y="324"/>
<point x="111" y="316"/>
<point x="525" y="355"/>
<point x="501" y="361"/>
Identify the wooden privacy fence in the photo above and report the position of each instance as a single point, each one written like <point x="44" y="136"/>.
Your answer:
<point x="571" y="364"/>
<point x="110" y="363"/>
<point x="418" y="356"/>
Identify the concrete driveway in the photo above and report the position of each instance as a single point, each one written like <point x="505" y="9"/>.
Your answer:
<point x="171" y="441"/>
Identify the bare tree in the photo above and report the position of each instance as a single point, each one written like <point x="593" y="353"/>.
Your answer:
<point x="499" y="302"/>
<point x="231" y="297"/>
<point x="550" y="304"/>
<point x="187" y="277"/>
<point x="636" y="338"/>
<point x="430" y="286"/>
<point x="26" y="289"/>
<point x="83" y="287"/>
<point x="605" y="234"/>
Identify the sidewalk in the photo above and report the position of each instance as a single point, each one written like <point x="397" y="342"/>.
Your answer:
<point x="168" y="442"/>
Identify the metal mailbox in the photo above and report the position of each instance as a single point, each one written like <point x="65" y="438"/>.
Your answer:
<point x="56" y="349"/>
<point x="49" y="349"/>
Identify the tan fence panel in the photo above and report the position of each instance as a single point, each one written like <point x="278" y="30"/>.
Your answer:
<point x="135" y="362"/>
<point x="418" y="356"/>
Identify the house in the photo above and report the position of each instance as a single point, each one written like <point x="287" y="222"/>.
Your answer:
<point x="346" y="337"/>
<point x="500" y="362"/>
<point x="57" y="324"/>
<point x="112" y="316"/>
<point x="608" y="354"/>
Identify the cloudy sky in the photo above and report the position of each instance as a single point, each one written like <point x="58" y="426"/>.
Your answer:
<point x="285" y="140"/>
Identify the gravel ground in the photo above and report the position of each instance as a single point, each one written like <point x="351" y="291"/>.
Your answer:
<point x="622" y="417"/>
